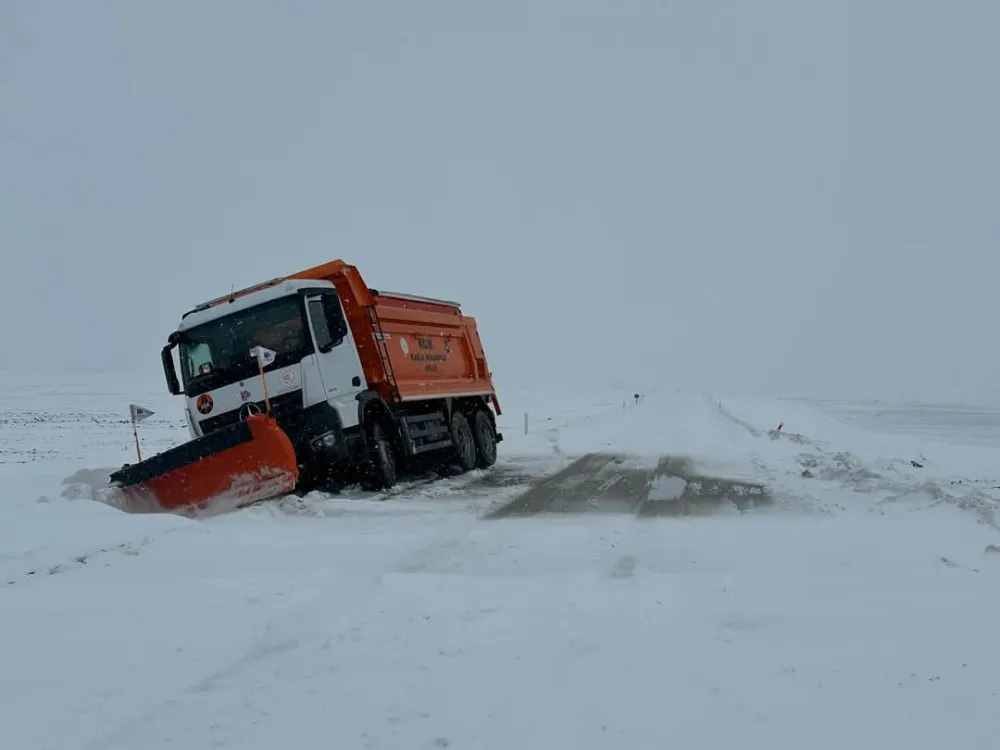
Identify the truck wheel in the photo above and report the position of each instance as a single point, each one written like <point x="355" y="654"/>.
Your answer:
<point x="464" y="442"/>
<point x="486" y="440"/>
<point x="381" y="472"/>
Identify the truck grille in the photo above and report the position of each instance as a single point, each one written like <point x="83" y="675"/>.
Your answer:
<point x="286" y="410"/>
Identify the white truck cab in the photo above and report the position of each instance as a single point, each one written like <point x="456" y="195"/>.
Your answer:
<point x="313" y="383"/>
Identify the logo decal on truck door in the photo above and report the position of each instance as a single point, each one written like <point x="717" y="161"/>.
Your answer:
<point x="205" y="403"/>
<point x="289" y="379"/>
<point x="405" y="346"/>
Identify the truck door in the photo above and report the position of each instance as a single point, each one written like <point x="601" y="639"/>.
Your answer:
<point x="336" y="354"/>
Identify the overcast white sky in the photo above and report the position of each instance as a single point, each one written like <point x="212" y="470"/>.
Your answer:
<point x="790" y="198"/>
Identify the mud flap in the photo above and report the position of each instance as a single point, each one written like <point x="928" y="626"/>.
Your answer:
<point x="244" y="463"/>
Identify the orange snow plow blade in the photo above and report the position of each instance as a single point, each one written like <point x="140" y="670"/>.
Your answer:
<point x="244" y="463"/>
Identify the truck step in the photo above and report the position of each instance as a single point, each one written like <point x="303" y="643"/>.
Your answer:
<point x="432" y="446"/>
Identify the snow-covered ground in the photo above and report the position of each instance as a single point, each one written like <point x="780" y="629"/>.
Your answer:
<point x="857" y="608"/>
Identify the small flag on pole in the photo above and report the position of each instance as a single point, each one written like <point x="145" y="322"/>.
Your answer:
<point x="139" y="413"/>
<point x="263" y="355"/>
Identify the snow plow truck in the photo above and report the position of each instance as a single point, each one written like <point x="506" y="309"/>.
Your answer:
<point x="354" y="385"/>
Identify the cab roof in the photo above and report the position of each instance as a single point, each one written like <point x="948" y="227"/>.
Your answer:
<point x="245" y="299"/>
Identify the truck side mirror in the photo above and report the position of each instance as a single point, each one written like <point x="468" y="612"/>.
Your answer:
<point x="169" y="372"/>
<point x="328" y="322"/>
<point x="334" y="318"/>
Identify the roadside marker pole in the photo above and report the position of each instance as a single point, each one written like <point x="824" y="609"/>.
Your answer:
<point x="137" y="414"/>
<point x="135" y="433"/>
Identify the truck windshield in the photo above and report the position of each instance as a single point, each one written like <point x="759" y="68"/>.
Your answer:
<point x="218" y="353"/>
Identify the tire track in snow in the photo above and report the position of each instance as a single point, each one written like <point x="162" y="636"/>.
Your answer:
<point x="301" y="641"/>
<point x="79" y="562"/>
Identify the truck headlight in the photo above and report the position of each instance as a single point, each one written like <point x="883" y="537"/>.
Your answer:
<point x="326" y="440"/>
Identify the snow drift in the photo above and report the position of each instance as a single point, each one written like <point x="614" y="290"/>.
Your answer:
<point x="857" y="609"/>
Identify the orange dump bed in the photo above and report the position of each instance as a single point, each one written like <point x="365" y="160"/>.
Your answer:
<point x="411" y="347"/>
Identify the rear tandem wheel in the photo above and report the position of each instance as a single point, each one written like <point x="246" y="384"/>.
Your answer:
<point x="485" y="438"/>
<point x="464" y="443"/>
